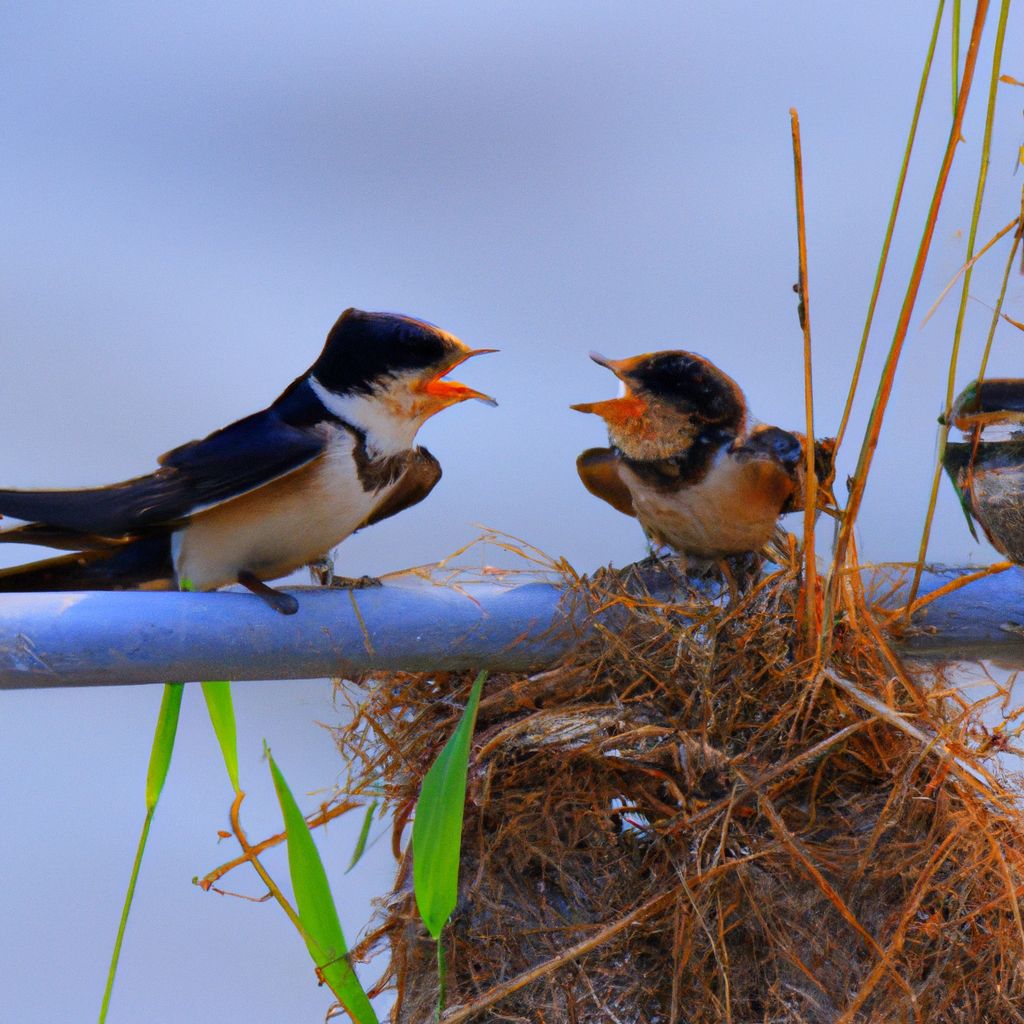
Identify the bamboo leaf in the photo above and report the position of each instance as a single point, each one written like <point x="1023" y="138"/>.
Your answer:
<point x="159" y="763"/>
<point x="222" y="718"/>
<point x="364" y="834"/>
<point x="437" y="829"/>
<point x="163" y="742"/>
<point x="317" y="912"/>
<point x="221" y="711"/>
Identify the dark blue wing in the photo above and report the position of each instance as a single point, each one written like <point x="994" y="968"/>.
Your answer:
<point x="238" y="458"/>
<point x="421" y="473"/>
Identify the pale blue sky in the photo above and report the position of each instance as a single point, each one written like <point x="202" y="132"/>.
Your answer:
<point x="191" y="193"/>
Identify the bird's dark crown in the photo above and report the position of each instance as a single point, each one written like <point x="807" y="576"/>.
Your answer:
<point x="684" y="379"/>
<point x="365" y="349"/>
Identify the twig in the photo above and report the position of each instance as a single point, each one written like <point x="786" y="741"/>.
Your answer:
<point x="324" y="815"/>
<point x="755" y="785"/>
<point x="954" y="356"/>
<point x="810" y="477"/>
<point x="250" y="855"/>
<point x="1002" y="290"/>
<point x="977" y="778"/>
<point x="874" y="426"/>
<point x="896" y="942"/>
<point x="498" y="992"/>
<point x="965" y="272"/>
<point x="796" y="848"/>
<point x="890" y="227"/>
<point x="911" y="609"/>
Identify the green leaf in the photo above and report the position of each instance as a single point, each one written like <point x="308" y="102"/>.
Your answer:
<point x="317" y="912"/>
<point x="437" y="829"/>
<point x="364" y="834"/>
<point x="222" y="712"/>
<point x="163" y="742"/>
<point x="222" y="718"/>
<point x="159" y="763"/>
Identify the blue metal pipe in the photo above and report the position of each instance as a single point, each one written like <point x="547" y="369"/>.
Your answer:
<point x="92" y="639"/>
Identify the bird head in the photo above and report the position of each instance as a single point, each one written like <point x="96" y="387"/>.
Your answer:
<point x="792" y="455"/>
<point x="984" y="403"/>
<point x="667" y="400"/>
<point x="385" y="373"/>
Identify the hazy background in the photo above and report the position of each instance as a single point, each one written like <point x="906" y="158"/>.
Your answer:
<point x="191" y="193"/>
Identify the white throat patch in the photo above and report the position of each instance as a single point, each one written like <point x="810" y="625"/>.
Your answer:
<point x="388" y="417"/>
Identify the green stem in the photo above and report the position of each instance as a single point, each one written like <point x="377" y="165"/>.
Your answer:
<point x="159" y="763"/>
<point x="956" y="52"/>
<point x="997" y="311"/>
<point x="128" y="897"/>
<point x="891" y="226"/>
<point x="874" y="427"/>
<point x="954" y="357"/>
<point x="442" y="979"/>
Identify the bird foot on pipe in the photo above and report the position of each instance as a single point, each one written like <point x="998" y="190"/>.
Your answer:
<point x="283" y="603"/>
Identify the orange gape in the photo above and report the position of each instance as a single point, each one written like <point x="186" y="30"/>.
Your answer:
<point x="617" y="412"/>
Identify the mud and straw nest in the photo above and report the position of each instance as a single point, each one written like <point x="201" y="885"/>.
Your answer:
<point x="691" y="820"/>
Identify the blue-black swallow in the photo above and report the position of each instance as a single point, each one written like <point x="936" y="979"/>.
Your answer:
<point x="269" y="493"/>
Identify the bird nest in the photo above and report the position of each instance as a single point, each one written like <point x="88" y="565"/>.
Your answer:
<point x="688" y="820"/>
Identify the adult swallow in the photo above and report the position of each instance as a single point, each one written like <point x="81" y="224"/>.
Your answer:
<point x="683" y="461"/>
<point x="266" y="494"/>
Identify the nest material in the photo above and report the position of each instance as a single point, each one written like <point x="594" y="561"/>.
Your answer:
<point x="684" y="823"/>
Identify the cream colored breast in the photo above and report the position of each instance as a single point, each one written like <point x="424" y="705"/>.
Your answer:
<point x="734" y="509"/>
<point x="279" y="527"/>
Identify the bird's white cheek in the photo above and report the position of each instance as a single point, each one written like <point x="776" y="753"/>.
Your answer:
<point x="388" y="418"/>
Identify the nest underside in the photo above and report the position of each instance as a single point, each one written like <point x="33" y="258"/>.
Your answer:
<point x="686" y="822"/>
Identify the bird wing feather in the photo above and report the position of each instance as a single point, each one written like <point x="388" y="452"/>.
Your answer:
<point x="231" y="461"/>
<point x="599" y="470"/>
<point x="421" y="474"/>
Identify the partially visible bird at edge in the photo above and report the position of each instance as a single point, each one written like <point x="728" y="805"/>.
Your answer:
<point x="988" y="471"/>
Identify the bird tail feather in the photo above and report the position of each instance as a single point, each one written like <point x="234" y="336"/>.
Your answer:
<point x="143" y="562"/>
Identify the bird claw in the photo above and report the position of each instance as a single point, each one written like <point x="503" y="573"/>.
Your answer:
<point x="284" y="604"/>
<point x="321" y="572"/>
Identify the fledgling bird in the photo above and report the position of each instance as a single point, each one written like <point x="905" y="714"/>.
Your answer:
<point x="683" y="462"/>
<point x="269" y="493"/>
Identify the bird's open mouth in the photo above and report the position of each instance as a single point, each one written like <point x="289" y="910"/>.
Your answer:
<point x="450" y="391"/>
<point x="620" y="367"/>
<point x="627" y="406"/>
<point x="615" y="410"/>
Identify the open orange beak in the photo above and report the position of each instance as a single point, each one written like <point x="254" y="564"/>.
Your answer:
<point x="448" y="392"/>
<point x="620" y="367"/>
<point x="615" y="411"/>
